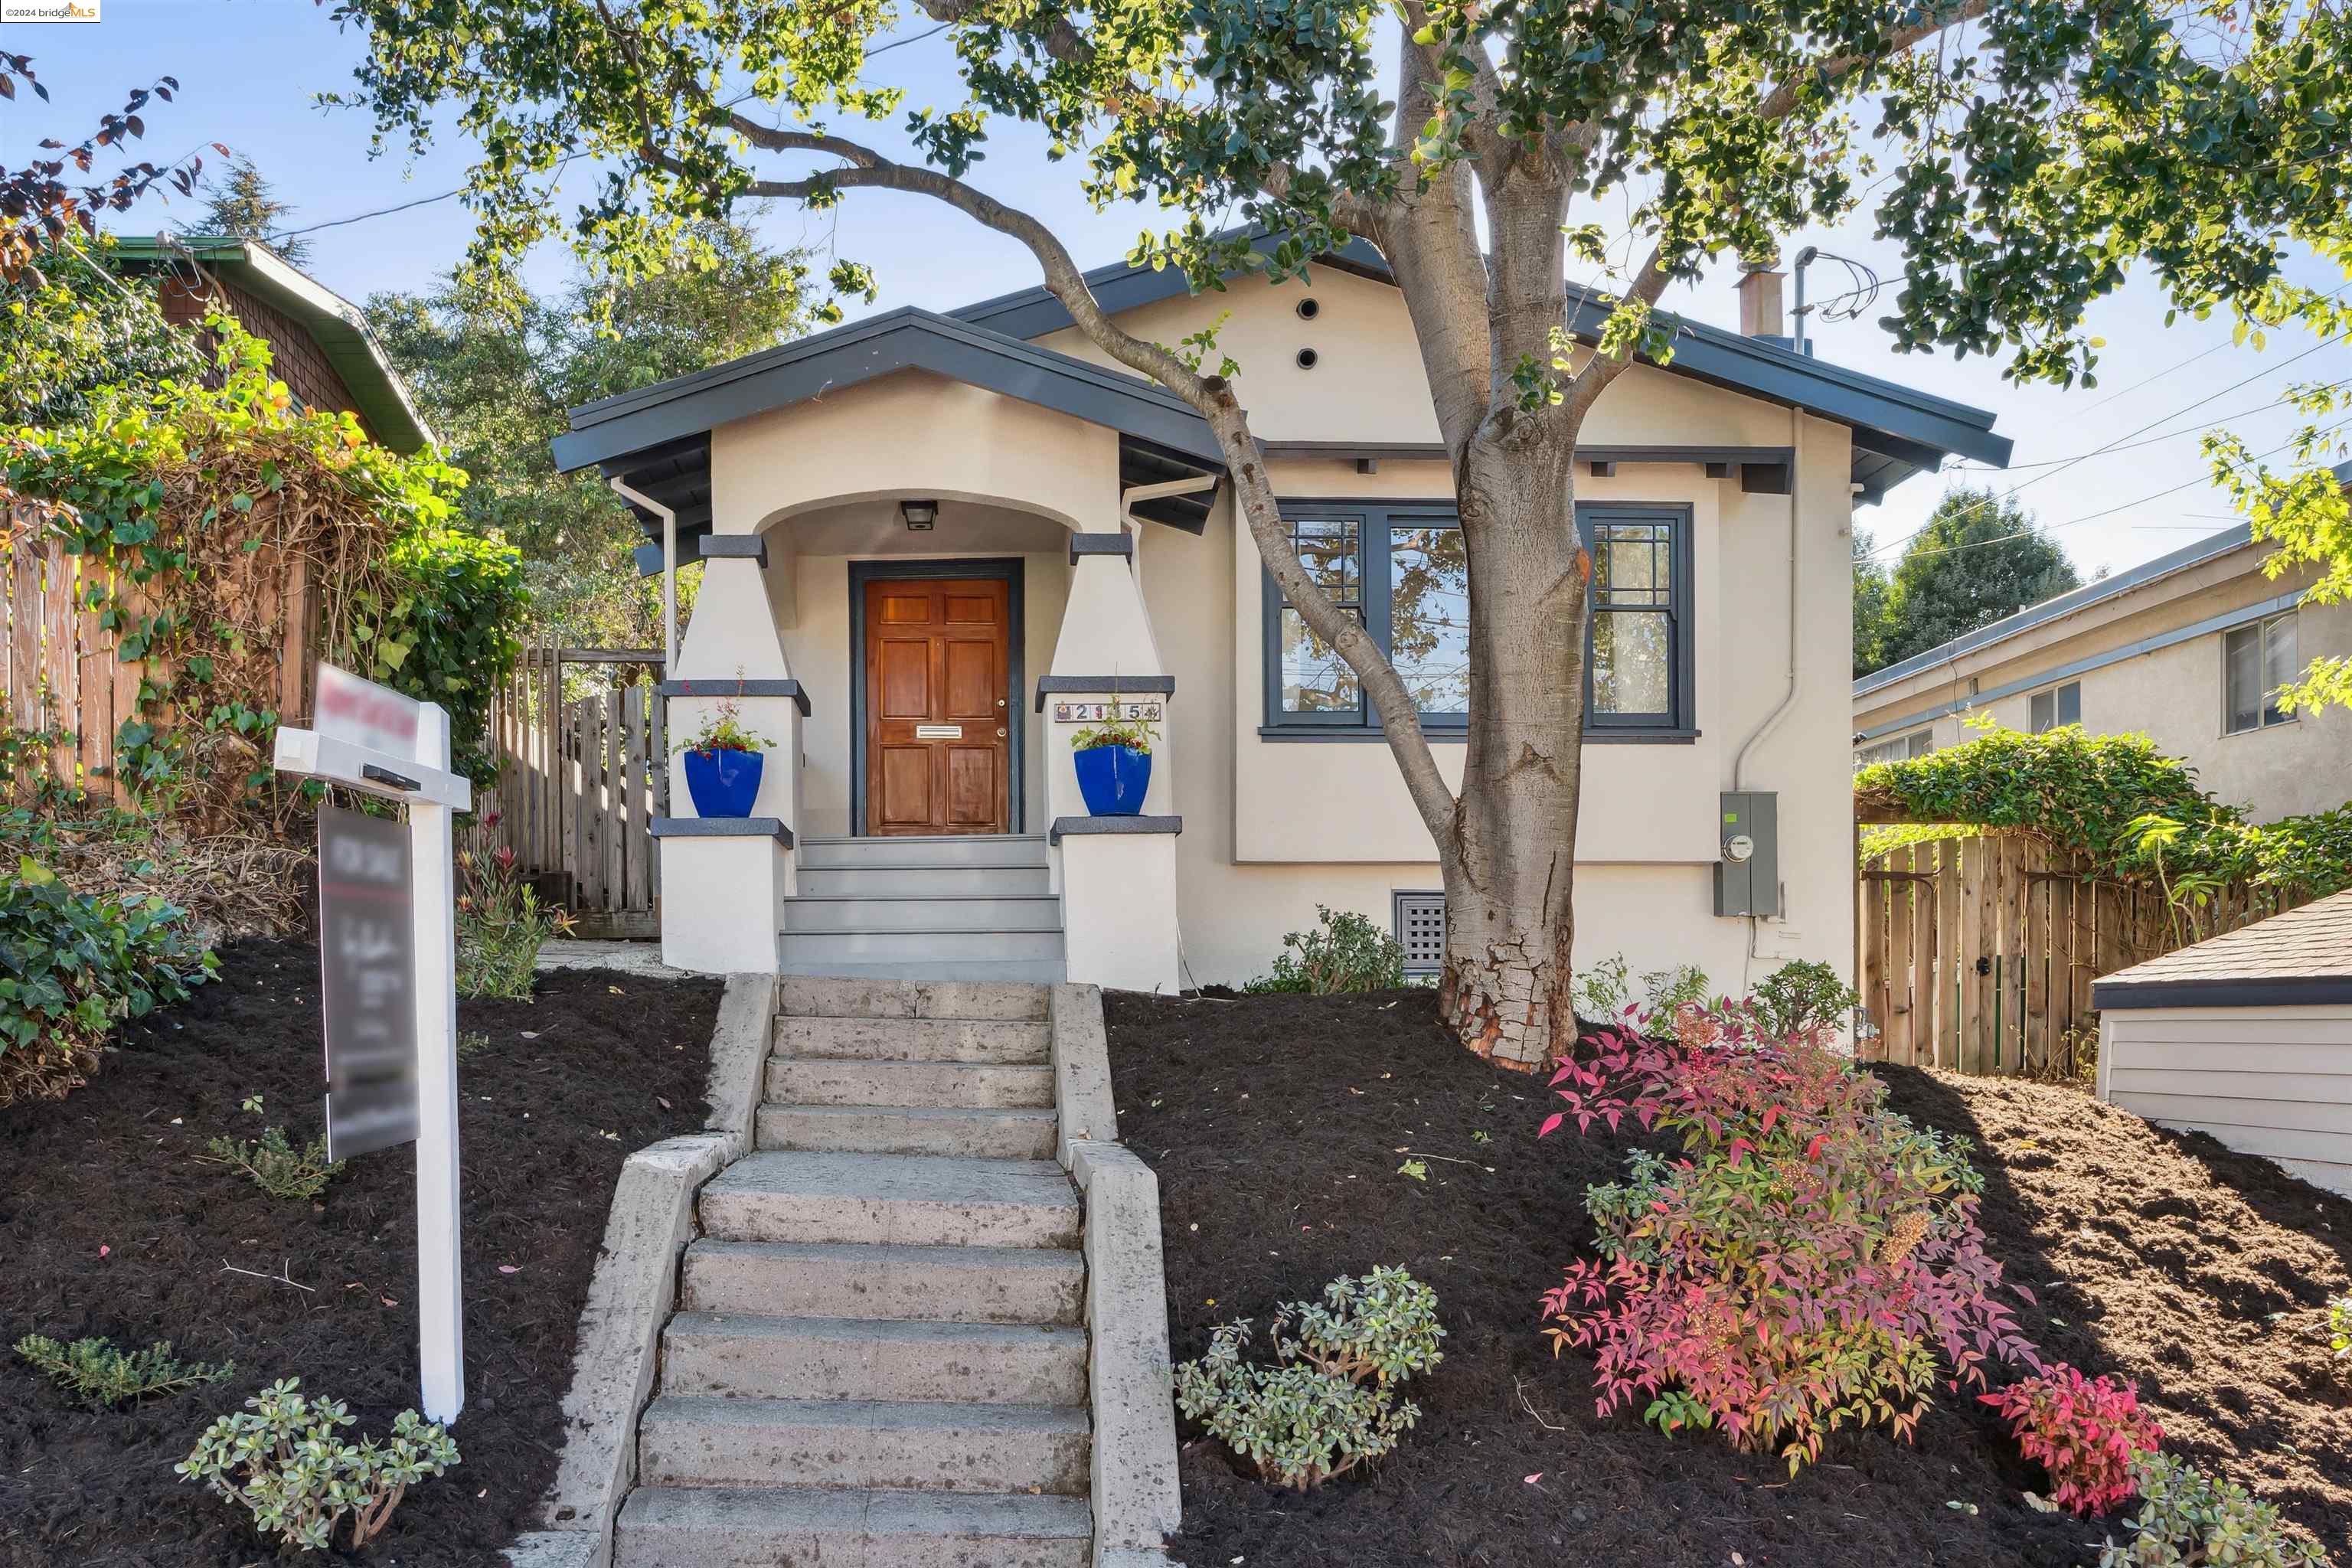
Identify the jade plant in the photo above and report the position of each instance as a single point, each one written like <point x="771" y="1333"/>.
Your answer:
<point x="1330" y="1401"/>
<point x="283" y="1457"/>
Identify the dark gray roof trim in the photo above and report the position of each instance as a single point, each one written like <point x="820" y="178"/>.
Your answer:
<point x="1903" y="429"/>
<point x="790" y="688"/>
<point x="905" y="339"/>
<point x="2082" y="598"/>
<point x="1119" y="685"/>
<point x="750" y="547"/>
<point x="721" y="828"/>
<point x="1083" y="826"/>
<point x="2315" y="991"/>
<point x="1101" y="544"/>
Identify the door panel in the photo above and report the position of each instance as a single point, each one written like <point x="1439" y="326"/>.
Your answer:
<point x="938" y="728"/>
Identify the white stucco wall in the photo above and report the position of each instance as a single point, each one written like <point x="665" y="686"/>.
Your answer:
<point x="2172" y="694"/>
<point x="1272" y="828"/>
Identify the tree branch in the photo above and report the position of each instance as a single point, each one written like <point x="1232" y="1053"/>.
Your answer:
<point x="1782" y="100"/>
<point x="1589" y="382"/>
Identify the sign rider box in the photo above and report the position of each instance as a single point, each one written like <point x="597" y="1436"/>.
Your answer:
<point x="367" y="961"/>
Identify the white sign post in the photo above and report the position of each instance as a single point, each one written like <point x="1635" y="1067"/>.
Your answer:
<point x="372" y="739"/>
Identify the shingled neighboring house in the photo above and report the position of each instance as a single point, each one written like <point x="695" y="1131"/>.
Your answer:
<point x="2247" y="1036"/>
<point x="320" y="343"/>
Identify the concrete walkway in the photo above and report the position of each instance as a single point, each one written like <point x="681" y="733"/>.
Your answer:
<point x="880" y="1353"/>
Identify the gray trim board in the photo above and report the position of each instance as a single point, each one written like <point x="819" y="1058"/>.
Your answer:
<point x="790" y="688"/>
<point x="2209" y="548"/>
<point x="904" y="339"/>
<point x="1288" y="735"/>
<point x="1009" y="569"/>
<point x="1121" y="545"/>
<point x="1119" y="685"/>
<point x="733" y="547"/>
<point x="1092" y="826"/>
<point x="721" y="828"/>
<point x="2317" y="991"/>
<point x="2206" y="627"/>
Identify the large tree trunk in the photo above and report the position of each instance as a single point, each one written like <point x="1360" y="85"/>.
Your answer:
<point x="1508" y="920"/>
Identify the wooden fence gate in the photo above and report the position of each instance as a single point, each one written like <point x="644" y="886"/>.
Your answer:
<point x="1978" y="953"/>
<point x="582" y="748"/>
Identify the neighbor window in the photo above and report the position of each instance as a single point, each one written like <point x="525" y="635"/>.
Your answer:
<point x="2256" y="660"/>
<point x="2058" y="707"/>
<point x="1917" y="744"/>
<point x="1401" y="569"/>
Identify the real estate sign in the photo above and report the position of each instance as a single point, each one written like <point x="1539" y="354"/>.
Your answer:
<point x="388" y="949"/>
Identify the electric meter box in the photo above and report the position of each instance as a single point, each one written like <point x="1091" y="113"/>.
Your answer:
<point x="1748" y="863"/>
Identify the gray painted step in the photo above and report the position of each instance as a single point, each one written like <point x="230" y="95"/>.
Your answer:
<point x="915" y="1284"/>
<point x="893" y="971"/>
<point x="954" y="911"/>
<point x="666" y="1527"/>
<point x="813" y="997"/>
<point x="863" y="1358"/>
<point x="931" y="877"/>
<point x="989" y="1085"/>
<point x="915" y="1039"/>
<point x="921" y="944"/>
<point x="951" y="849"/>
<point x="695" y="1440"/>
<point x="1022" y="1134"/>
<point x="786" y="1196"/>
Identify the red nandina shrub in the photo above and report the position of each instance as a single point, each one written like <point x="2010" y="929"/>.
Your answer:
<point x="2081" y="1430"/>
<point x="1811" y="1259"/>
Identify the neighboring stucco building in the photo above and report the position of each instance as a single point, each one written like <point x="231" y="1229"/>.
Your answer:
<point x="319" y="345"/>
<point x="2185" y="649"/>
<point x="927" y="536"/>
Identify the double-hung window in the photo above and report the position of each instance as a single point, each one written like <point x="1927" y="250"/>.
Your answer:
<point x="2058" y="707"/>
<point x="2256" y="660"/>
<point x="1400" y="568"/>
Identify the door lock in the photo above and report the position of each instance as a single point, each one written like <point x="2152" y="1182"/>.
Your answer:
<point x="1000" y="731"/>
<point x="1000" y="702"/>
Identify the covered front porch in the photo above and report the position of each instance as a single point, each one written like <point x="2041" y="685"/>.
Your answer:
<point x="918" y="578"/>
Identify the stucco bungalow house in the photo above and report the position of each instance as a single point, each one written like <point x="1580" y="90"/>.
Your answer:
<point x="935" y="543"/>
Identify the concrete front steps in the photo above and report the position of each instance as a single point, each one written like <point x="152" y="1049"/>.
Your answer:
<point x="949" y="906"/>
<point x="879" y="1355"/>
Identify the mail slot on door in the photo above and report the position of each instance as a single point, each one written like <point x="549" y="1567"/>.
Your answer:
<point x="939" y="731"/>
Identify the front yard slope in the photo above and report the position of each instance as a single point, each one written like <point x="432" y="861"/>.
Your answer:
<point x="112" y="1224"/>
<point x="1278" y="1125"/>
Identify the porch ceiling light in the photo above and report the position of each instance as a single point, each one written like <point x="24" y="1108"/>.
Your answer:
<point x="920" y="514"/>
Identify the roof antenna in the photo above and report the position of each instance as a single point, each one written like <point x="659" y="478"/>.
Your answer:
<point x="1836" y="307"/>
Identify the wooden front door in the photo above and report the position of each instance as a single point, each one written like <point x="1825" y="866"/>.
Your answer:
<point x="937" y="748"/>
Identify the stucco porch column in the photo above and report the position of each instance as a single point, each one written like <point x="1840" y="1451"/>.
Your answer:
<point x="1117" y="876"/>
<point x="724" y="880"/>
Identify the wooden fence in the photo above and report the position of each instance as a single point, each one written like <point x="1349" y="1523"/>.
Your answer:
<point x="64" y="671"/>
<point x="581" y="778"/>
<point x="1978" y="953"/>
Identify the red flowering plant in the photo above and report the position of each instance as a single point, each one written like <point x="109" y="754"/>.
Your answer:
<point x="501" y="924"/>
<point x="2083" y="1431"/>
<point x="1810" y="1258"/>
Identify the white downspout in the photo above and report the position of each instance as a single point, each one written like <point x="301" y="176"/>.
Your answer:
<point x="669" y="571"/>
<point x="1133" y="525"/>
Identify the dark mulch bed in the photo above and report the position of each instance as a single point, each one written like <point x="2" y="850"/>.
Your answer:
<point x="110" y="1226"/>
<point x="1276" y="1125"/>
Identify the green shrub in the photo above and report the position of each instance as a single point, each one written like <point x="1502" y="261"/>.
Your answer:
<point x="71" y="968"/>
<point x="94" y="1372"/>
<point x="2188" y="1519"/>
<point x="1800" y="996"/>
<point x="500" y="925"/>
<point x="1603" y="994"/>
<point x="1329" y="1402"/>
<point x="284" y="1459"/>
<point x="276" y="1167"/>
<point x="1345" y="952"/>
<point x="2340" y="1324"/>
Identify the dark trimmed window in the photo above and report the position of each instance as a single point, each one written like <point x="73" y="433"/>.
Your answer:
<point x="1401" y="569"/>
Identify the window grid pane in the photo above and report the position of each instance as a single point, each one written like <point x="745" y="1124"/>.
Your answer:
<point x="2242" y="675"/>
<point x="1633" y="663"/>
<point x="2070" y="703"/>
<point x="1429" y="616"/>
<point x="2044" y="709"/>
<point x="1315" y="680"/>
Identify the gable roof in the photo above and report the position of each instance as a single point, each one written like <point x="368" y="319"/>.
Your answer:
<point x="2300" y="958"/>
<point x="334" y="323"/>
<point x="2209" y="548"/>
<point x="657" y="438"/>
<point x="1898" y="430"/>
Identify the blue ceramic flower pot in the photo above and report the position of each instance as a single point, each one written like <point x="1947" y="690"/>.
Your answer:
<point x="723" y="784"/>
<point x="1113" y="779"/>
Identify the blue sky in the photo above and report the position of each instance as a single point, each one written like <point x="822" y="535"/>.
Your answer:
<point x="249" y="70"/>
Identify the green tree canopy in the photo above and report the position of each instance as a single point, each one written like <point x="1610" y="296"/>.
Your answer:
<point x="239" y="201"/>
<point x="495" y="382"/>
<point x="76" y="326"/>
<point x="1870" y="593"/>
<point x="1981" y="556"/>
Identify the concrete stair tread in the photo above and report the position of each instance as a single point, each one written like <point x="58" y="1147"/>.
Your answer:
<point x="854" y="995"/>
<point x="1026" y="1114"/>
<point x="933" y="1178"/>
<point x="724" y="1527"/>
<point x="891" y="1281"/>
<point x="900" y="1414"/>
<point x="1038" y="972"/>
<point x="879" y="1331"/>
<point x="924" y="898"/>
<point x="873" y="1359"/>
<point x="1020" y="1132"/>
<point x="1012" y="1041"/>
<point x="978" y="1086"/>
<point x="705" y="1440"/>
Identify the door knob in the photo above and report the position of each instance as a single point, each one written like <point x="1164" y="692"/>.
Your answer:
<point x="1000" y="731"/>
<point x="1000" y="702"/>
